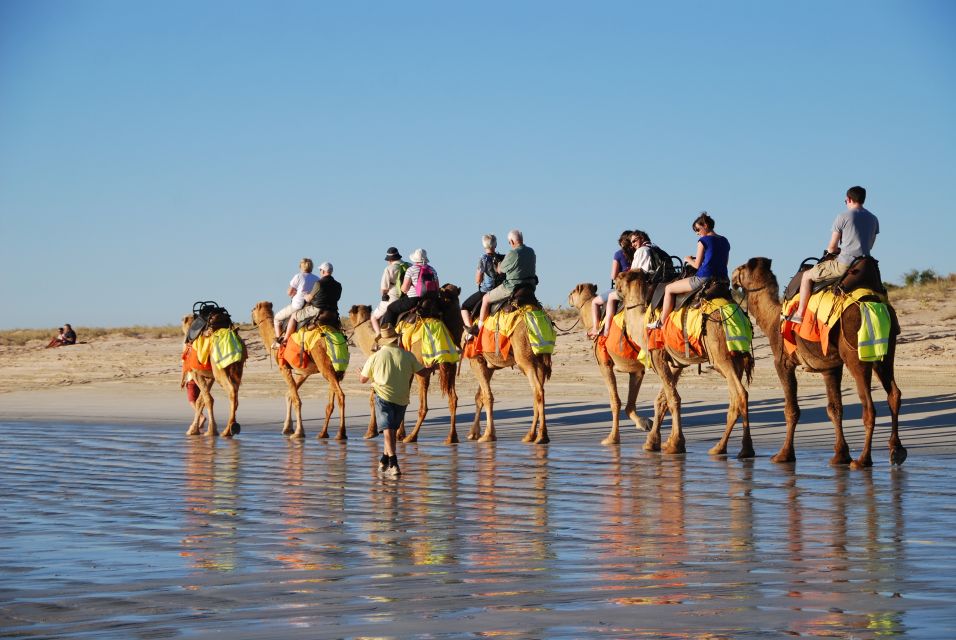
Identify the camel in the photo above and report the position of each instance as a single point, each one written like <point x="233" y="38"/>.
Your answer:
<point x="364" y="337"/>
<point x="537" y="368"/>
<point x="229" y="378"/>
<point x="760" y="286"/>
<point x="635" y="291"/>
<point x="262" y="317"/>
<point x="580" y="298"/>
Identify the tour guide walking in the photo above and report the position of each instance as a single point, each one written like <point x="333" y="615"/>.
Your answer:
<point x="390" y="369"/>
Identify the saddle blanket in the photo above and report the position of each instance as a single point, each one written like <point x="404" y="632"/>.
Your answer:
<point x="496" y="332"/>
<point x="296" y="350"/>
<point x="823" y="312"/>
<point x="437" y="345"/>
<point x="618" y="342"/>
<point x="223" y="347"/>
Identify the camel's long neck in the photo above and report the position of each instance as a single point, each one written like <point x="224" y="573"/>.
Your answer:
<point x="267" y="329"/>
<point x="765" y="308"/>
<point x="364" y="336"/>
<point x="584" y="312"/>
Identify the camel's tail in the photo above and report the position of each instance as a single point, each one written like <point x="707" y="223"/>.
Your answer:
<point x="446" y="377"/>
<point x="339" y="375"/>
<point x="747" y="361"/>
<point x="545" y="359"/>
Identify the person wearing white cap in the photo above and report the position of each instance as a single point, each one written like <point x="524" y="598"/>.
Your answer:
<point x="421" y="280"/>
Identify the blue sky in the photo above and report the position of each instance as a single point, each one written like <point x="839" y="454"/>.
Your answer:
<point x="155" y="154"/>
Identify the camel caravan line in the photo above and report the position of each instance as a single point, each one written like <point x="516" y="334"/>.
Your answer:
<point x="851" y="324"/>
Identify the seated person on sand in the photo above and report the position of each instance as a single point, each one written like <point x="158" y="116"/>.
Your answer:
<point x="69" y="335"/>
<point x="57" y="340"/>
<point x="324" y="296"/>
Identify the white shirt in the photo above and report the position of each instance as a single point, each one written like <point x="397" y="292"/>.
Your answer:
<point x="302" y="283"/>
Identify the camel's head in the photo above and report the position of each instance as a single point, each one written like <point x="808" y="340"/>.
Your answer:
<point x="261" y="312"/>
<point x="582" y="294"/>
<point x="633" y="287"/>
<point x="187" y="321"/>
<point x="450" y="291"/>
<point x="359" y="313"/>
<point x="755" y="274"/>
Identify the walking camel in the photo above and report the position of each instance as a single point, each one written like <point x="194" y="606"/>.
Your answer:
<point x="580" y="298"/>
<point x="763" y="296"/>
<point x="295" y="377"/>
<point x="635" y="292"/>
<point x="450" y="313"/>
<point x="536" y="367"/>
<point x="229" y="378"/>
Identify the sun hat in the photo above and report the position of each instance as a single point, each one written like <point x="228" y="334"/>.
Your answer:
<point x="419" y="255"/>
<point x="392" y="254"/>
<point x="387" y="335"/>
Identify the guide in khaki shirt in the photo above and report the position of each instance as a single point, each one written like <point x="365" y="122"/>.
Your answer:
<point x="390" y="370"/>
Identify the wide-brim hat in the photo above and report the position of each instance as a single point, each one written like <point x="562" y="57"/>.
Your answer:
<point x="392" y="254"/>
<point x="419" y="255"/>
<point x="387" y="335"/>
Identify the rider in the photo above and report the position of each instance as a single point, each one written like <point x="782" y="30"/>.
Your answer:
<point x="643" y="260"/>
<point x="518" y="268"/>
<point x="391" y="284"/>
<point x="854" y="233"/>
<point x="301" y="283"/>
<point x="713" y="253"/>
<point x="486" y="277"/>
<point x="620" y="263"/>
<point x="410" y="287"/>
<point x="324" y="296"/>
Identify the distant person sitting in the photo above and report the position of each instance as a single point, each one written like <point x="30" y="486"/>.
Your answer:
<point x="57" y="340"/>
<point x="69" y="335"/>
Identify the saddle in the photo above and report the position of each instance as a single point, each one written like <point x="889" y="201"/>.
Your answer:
<point x="428" y="306"/>
<point x="522" y="296"/>
<point x="310" y="316"/>
<point x="864" y="272"/>
<point x="207" y="315"/>
<point x="709" y="289"/>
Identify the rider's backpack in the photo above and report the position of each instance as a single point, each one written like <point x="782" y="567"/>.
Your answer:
<point x="427" y="281"/>
<point x="662" y="267"/>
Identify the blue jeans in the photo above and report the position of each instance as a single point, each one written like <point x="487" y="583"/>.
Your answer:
<point x="388" y="415"/>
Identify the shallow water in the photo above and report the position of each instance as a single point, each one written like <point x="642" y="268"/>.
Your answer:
<point x="111" y="531"/>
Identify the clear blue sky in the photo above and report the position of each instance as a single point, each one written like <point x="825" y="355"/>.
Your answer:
<point x="155" y="154"/>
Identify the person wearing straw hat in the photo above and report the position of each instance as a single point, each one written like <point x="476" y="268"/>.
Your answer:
<point x="421" y="280"/>
<point x="390" y="370"/>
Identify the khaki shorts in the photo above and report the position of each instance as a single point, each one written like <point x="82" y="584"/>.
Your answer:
<point x="828" y="270"/>
<point x="498" y="293"/>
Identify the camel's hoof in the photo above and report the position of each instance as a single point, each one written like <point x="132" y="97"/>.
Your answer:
<point x="746" y="453"/>
<point x="192" y="432"/>
<point x="226" y="434"/>
<point x="369" y="435"/>
<point x="898" y="456"/>
<point x="452" y="439"/>
<point x="212" y="434"/>
<point x="341" y="437"/>
<point x="298" y="434"/>
<point x="288" y="431"/>
<point x="542" y="440"/>
<point x="653" y="447"/>
<point x="784" y="457"/>
<point x="611" y="440"/>
<point x="644" y="424"/>
<point x="409" y="439"/>
<point x="856" y="465"/>
<point x="717" y="450"/>
<point x="840" y="459"/>
<point x="472" y="436"/>
<point x="673" y="449"/>
<point x="323" y="436"/>
<point x="487" y="438"/>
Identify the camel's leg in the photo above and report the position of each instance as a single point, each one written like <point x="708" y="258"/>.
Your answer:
<point x="634" y="381"/>
<point x="205" y="387"/>
<point x="232" y="427"/>
<point x="610" y="380"/>
<point x="736" y="408"/>
<point x="538" y="373"/>
<point x="451" y="372"/>
<point x="372" y="430"/>
<point x="791" y="409"/>
<point x="529" y="372"/>
<point x="488" y="401"/>
<point x="863" y="375"/>
<point x="293" y="401"/>
<point x="339" y="396"/>
<point x="424" y="379"/>
<point x="476" y="423"/>
<point x="833" y="379"/>
<point x="884" y="371"/>
<point x="669" y="377"/>
<point x="653" y="440"/>
<point x="198" y="406"/>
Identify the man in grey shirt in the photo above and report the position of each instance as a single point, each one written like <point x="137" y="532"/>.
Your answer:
<point x="854" y="233"/>
<point x="518" y="268"/>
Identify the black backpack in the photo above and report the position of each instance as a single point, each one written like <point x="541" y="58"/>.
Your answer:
<point x="662" y="265"/>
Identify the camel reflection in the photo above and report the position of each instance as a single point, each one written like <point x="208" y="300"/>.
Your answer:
<point x="211" y="496"/>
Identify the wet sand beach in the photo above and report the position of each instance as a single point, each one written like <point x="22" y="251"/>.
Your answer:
<point x="116" y="525"/>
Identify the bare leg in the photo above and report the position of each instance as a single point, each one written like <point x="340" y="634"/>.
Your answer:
<point x="596" y="303"/>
